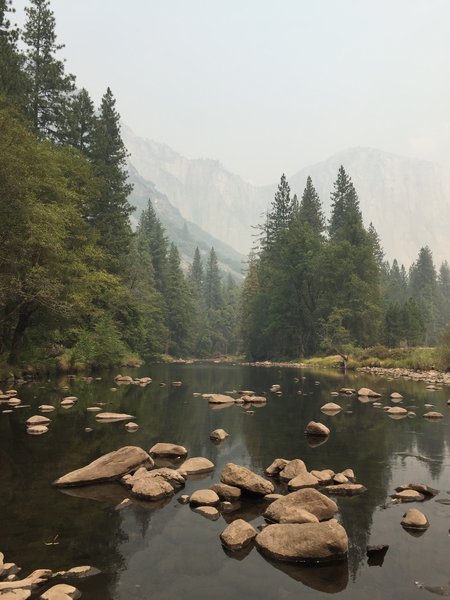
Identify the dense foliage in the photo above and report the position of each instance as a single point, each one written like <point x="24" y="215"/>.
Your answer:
<point x="77" y="286"/>
<point x="312" y="288"/>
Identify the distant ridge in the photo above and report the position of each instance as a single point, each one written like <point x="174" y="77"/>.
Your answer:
<point x="408" y="200"/>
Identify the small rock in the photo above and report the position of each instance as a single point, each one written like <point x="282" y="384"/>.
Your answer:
<point x="433" y="415"/>
<point x="324" y="476"/>
<point x="292" y="507"/>
<point x="304" y="480"/>
<point x="345" y="489"/>
<point x="184" y="499"/>
<point x="81" y="572"/>
<point x="204" y="498"/>
<point x="131" y="427"/>
<point x="46" y="408"/>
<point x="415" y="519"/>
<point x="37" y="429"/>
<point x="408" y="496"/>
<point x="331" y="408"/>
<point x="368" y="392"/>
<point x="218" y="435"/>
<point x="61" y="592"/>
<point x="396" y="410"/>
<point x="197" y="465"/>
<point x="237" y="535"/>
<point x="108" y="417"/>
<point x="37" y="420"/>
<point x="167" y="450"/>
<point x="207" y="511"/>
<point x="340" y="478"/>
<point x="226" y="492"/>
<point x="152" y="488"/>
<point x="314" y="428"/>
<point x="277" y="466"/>
<point x="245" y="479"/>
<point x="292" y="469"/>
<point x="396" y="396"/>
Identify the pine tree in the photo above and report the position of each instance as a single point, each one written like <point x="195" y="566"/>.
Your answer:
<point x="280" y="214"/>
<point x="12" y="78"/>
<point x="212" y="283"/>
<point x="423" y="288"/>
<point x="79" y="123"/>
<point x="158" y="244"/>
<point x="110" y="212"/>
<point x="346" y="219"/>
<point x="196" y="271"/>
<point x="377" y="249"/>
<point x="310" y="210"/>
<point x="49" y="86"/>
<point x="179" y="306"/>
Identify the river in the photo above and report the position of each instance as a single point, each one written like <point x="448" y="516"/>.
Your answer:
<point x="165" y="552"/>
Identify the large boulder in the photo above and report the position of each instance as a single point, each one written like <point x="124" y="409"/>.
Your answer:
<point x="197" y="465"/>
<point x="110" y="467"/>
<point x="237" y="535"/>
<point x="291" y="508"/>
<point x="245" y="479"/>
<point x="167" y="450"/>
<point x="306" y="542"/>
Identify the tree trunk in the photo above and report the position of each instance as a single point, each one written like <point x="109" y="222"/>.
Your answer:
<point x="19" y="331"/>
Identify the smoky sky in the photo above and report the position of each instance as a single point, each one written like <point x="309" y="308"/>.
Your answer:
<point x="268" y="86"/>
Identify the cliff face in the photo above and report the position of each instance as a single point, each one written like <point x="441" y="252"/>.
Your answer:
<point x="407" y="200"/>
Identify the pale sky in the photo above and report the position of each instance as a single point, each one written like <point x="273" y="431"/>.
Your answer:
<point x="268" y="86"/>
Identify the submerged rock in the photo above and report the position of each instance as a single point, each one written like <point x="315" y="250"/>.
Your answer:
<point x="237" y="535"/>
<point x="306" y="542"/>
<point x="110" y="467"/>
<point x="209" y="512"/>
<point x="218" y="435"/>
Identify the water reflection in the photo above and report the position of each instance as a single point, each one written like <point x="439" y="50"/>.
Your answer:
<point x="165" y="550"/>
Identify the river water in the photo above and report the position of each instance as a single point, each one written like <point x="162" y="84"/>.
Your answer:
<point x="166" y="552"/>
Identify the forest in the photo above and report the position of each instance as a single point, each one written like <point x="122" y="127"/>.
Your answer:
<point x="79" y="288"/>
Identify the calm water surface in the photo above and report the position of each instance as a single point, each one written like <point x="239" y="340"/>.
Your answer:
<point x="167" y="551"/>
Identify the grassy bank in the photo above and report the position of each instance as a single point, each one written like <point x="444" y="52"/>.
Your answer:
<point x="403" y="358"/>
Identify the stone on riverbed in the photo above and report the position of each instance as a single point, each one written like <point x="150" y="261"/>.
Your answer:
<point x="408" y="496"/>
<point x="304" y="542"/>
<point x="368" y="392"/>
<point x="151" y="489"/>
<point x="61" y="591"/>
<point x="37" y="429"/>
<point x="314" y="428"/>
<point x="237" y="535"/>
<point x="292" y="469"/>
<point x="331" y="408"/>
<point x="37" y="420"/>
<point x="245" y="479"/>
<point x="46" y="408"/>
<point x="109" y="417"/>
<point x="197" y="465"/>
<point x="433" y="415"/>
<point x="415" y="519"/>
<point x="218" y="435"/>
<point x="218" y="398"/>
<point x="110" y="467"/>
<point x="426" y="490"/>
<point x="278" y="465"/>
<point x="304" y="480"/>
<point x="131" y="427"/>
<point x="204" y="498"/>
<point x="164" y="449"/>
<point x="292" y="507"/>
<point x="209" y="512"/>
<point x="226" y="492"/>
<point x="396" y="410"/>
<point x="345" y="489"/>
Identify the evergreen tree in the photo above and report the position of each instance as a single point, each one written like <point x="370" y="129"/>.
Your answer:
<point x="12" y="78"/>
<point x="196" y="271"/>
<point x="280" y="214"/>
<point x="212" y="285"/>
<point x="179" y="306"/>
<point x="396" y="288"/>
<point x="78" y="127"/>
<point x="346" y="218"/>
<point x="110" y="211"/>
<point x="158" y="244"/>
<point x="48" y="85"/>
<point x="310" y="210"/>
<point x="377" y="248"/>
<point x="423" y="288"/>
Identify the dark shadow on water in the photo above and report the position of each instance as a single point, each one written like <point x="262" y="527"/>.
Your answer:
<point x="238" y="554"/>
<point x="330" y="578"/>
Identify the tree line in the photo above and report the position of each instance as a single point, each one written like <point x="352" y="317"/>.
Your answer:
<point x="77" y="285"/>
<point x="314" y="286"/>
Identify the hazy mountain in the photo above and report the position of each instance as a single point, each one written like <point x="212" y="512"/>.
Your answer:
<point x="185" y="235"/>
<point x="408" y="200"/>
<point x="202" y="189"/>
